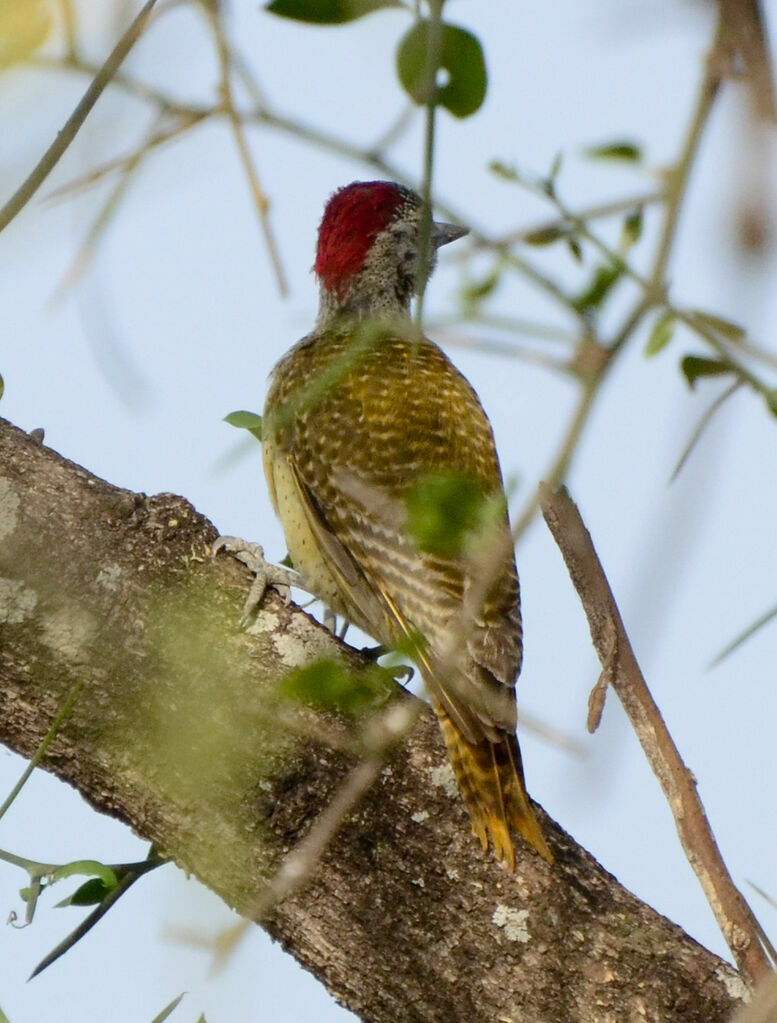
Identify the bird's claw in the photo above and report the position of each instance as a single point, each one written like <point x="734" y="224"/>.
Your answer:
<point x="266" y="574"/>
<point x="401" y="673"/>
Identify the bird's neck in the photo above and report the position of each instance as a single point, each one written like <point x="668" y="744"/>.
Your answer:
<point x="369" y="295"/>
<point x="361" y="308"/>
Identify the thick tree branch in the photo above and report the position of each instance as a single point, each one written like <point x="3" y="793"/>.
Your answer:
<point x="405" y="919"/>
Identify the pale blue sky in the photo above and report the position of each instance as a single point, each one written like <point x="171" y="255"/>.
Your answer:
<point x="179" y="322"/>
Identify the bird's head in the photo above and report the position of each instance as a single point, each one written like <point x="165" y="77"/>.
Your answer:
<point x="368" y="249"/>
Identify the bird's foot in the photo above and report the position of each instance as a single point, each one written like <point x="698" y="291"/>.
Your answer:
<point x="372" y="653"/>
<point x="266" y="574"/>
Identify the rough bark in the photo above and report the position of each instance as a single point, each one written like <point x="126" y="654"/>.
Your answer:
<point x="404" y="919"/>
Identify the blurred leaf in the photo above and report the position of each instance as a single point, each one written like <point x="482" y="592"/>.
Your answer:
<point x="574" y="247"/>
<point x="744" y="636"/>
<point x="696" y="366"/>
<point x="546" y="235"/>
<point x="168" y="1009"/>
<point x="632" y="228"/>
<point x="91" y="893"/>
<point x="604" y="280"/>
<point x="246" y="421"/>
<point x="476" y="291"/>
<point x="620" y="150"/>
<point x="24" y="26"/>
<point x="555" y="170"/>
<point x="661" y="334"/>
<point x="2" y="391"/>
<point x="770" y="397"/>
<point x="327" y="12"/>
<point x="443" y="512"/>
<point x="90" y="867"/>
<point x="727" y="329"/>
<point x="3" y="1017"/>
<point x="328" y="685"/>
<point x="506" y="171"/>
<point x="461" y="55"/>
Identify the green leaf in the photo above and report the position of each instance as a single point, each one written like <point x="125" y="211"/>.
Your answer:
<point x="246" y="421"/>
<point x="476" y="291"/>
<point x="661" y="334"/>
<point x="555" y="170"/>
<point x="575" y="249"/>
<point x="619" y="150"/>
<point x="696" y="366"/>
<point x="3" y="1017"/>
<point x="90" y="893"/>
<point x="327" y="685"/>
<point x="506" y="171"/>
<point x="445" y="511"/>
<point x="727" y="329"/>
<point x="632" y="228"/>
<point x="546" y="235"/>
<point x="327" y="12"/>
<point x="2" y="391"/>
<point x="770" y="397"/>
<point x="168" y="1009"/>
<point x="461" y="55"/>
<point x="89" y="867"/>
<point x="604" y="280"/>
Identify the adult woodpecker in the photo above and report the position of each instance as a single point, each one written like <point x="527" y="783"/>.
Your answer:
<point x="362" y="413"/>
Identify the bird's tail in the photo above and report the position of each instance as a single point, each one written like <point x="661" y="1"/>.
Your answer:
<point x="490" y="779"/>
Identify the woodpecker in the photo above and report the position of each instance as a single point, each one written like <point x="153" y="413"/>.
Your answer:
<point x="360" y="415"/>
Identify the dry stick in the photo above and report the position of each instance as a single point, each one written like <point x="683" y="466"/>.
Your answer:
<point x="258" y="194"/>
<point x="48" y="161"/>
<point x="619" y="666"/>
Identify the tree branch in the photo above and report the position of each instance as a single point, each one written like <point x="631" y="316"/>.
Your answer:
<point x="621" y="671"/>
<point x="404" y="918"/>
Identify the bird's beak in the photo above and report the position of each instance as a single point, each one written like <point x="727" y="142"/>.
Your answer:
<point x="444" y="233"/>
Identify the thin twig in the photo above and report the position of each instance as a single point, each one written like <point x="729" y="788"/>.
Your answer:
<point x="563" y="458"/>
<point x="261" y="202"/>
<point x="46" y="741"/>
<point x="678" y="177"/>
<point x="599" y="211"/>
<point x="433" y="50"/>
<point x="299" y="864"/>
<point x="122" y="163"/>
<point x="48" y="161"/>
<point x="734" y="916"/>
<point x="759" y="623"/>
<point x="702" y="426"/>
